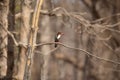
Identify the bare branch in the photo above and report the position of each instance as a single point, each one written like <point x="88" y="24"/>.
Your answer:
<point x="85" y="52"/>
<point x="9" y="33"/>
<point x="101" y="19"/>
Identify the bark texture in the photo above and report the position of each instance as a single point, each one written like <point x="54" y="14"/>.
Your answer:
<point x="4" y="6"/>
<point x="24" y="36"/>
<point x="45" y="37"/>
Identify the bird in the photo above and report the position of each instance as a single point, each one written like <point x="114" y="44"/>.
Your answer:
<point x="57" y="37"/>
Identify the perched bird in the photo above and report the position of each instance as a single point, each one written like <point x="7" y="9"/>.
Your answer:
<point x="57" y="37"/>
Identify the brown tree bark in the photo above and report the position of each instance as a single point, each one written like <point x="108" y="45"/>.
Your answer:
<point x="4" y="7"/>
<point x="45" y="37"/>
<point x="24" y="33"/>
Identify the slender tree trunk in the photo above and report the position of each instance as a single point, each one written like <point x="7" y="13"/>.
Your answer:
<point x="24" y="32"/>
<point x="4" y="6"/>
<point x="45" y="37"/>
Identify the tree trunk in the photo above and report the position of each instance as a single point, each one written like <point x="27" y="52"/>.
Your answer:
<point x="24" y="32"/>
<point x="4" y="6"/>
<point x="45" y="37"/>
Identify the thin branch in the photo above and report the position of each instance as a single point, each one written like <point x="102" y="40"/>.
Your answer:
<point x="12" y="36"/>
<point x="85" y="52"/>
<point x="70" y="60"/>
<point x="113" y="25"/>
<point x="101" y="19"/>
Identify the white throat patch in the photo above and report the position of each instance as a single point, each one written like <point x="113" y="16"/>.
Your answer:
<point x="58" y="37"/>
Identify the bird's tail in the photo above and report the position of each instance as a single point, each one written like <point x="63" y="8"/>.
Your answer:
<point x="55" y="45"/>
